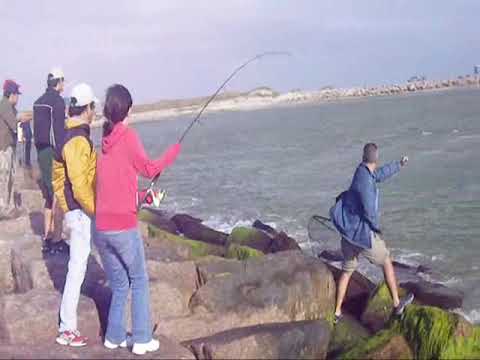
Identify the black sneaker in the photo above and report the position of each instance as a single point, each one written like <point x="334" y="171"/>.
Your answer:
<point x="60" y="247"/>
<point x="338" y="318"/>
<point x="47" y="246"/>
<point x="407" y="300"/>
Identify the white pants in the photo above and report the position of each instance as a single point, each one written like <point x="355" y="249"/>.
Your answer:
<point x="78" y="225"/>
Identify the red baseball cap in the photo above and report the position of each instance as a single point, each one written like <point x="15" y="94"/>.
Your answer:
<point x="11" y="87"/>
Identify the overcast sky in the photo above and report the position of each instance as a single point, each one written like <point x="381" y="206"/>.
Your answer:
<point x="171" y="49"/>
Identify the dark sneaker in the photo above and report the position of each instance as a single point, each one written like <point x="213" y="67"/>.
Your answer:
<point x="47" y="246"/>
<point x="338" y="318"/>
<point x="60" y="247"/>
<point x="407" y="300"/>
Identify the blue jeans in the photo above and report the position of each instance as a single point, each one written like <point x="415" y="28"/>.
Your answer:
<point x="123" y="258"/>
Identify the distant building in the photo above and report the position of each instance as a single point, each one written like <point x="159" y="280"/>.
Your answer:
<point x="476" y="69"/>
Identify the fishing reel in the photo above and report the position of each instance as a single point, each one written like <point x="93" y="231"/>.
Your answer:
<point x="154" y="198"/>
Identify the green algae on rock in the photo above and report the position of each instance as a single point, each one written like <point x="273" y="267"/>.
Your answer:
<point x="192" y="249"/>
<point x="251" y="237"/>
<point x="239" y="252"/>
<point x="432" y="333"/>
<point x="379" y="307"/>
<point x="345" y="335"/>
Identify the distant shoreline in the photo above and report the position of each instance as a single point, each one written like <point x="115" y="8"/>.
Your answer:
<point x="265" y="98"/>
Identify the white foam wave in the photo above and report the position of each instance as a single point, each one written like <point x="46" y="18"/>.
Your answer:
<point x="451" y="282"/>
<point x="473" y="315"/>
<point x="227" y="225"/>
<point x="439" y="257"/>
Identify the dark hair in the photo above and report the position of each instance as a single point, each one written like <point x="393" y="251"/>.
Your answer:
<point x="118" y="102"/>
<point x="51" y="82"/>
<point x="78" y="110"/>
<point x="370" y="153"/>
<point x="7" y="94"/>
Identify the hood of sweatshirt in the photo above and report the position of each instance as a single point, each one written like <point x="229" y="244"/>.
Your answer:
<point x="109" y="141"/>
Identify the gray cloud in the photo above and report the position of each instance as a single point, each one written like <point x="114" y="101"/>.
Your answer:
<point x="168" y="49"/>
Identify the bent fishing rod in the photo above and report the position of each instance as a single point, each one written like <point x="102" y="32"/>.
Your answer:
<point x="210" y="99"/>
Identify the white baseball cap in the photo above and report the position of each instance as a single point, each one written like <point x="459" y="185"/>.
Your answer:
<point x="83" y="95"/>
<point x="56" y="73"/>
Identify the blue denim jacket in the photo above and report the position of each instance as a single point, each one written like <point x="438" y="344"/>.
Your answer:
<point x="356" y="213"/>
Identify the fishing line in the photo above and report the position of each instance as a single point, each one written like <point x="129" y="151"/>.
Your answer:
<point x="211" y="98"/>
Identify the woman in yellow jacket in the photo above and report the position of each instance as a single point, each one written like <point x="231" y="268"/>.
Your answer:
<point x="74" y="187"/>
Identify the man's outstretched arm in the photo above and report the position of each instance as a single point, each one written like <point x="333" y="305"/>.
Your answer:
<point x="390" y="169"/>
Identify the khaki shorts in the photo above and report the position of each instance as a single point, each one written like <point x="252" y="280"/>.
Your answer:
<point x="376" y="255"/>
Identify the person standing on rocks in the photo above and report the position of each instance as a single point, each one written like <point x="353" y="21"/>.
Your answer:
<point x="74" y="187"/>
<point x="49" y="130"/>
<point x="26" y="141"/>
<point x="356" y="217"/>
<point x="117" y="238"/>
<point x="8" y="140"/>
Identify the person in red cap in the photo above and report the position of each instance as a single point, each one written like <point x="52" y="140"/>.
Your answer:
<point x="8" y="140"/>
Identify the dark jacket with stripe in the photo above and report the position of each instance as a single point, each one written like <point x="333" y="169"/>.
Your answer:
<point x="49" y="120"/>
<point x="74" y="166"/>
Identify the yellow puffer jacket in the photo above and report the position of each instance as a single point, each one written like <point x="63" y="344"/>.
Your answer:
<point x="73" y="176"/>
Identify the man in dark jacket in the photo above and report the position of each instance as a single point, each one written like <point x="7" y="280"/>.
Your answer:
<point x="49" y="130"/>
<point x="356" y="217"/>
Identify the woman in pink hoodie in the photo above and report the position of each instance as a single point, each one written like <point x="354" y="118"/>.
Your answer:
<point x="117" y="238"/>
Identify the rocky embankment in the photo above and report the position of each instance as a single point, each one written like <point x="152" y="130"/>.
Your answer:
<point x="248" y="294"/>
<point x="265" y="97"/>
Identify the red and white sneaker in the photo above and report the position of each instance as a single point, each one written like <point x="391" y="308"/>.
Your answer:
<point x="71" y="338"/>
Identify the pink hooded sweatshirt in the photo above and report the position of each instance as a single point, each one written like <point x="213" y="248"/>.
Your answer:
<point x="123" y="158"/>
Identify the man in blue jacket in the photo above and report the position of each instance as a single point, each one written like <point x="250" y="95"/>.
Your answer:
<point x="356" y="217"/>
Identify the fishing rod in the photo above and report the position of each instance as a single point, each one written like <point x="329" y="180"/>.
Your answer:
<point x="210" y="99"/>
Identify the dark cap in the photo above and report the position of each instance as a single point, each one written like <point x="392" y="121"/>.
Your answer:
<point x="11" y="87"/>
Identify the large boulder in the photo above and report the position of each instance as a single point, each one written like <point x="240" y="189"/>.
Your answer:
<point x="430" y="332"/>
<point x="194" y="229"/>
<point x="171" y="287"/>
<point x="280" y="240"/>
<point x="240" y="252"/>
<point x="346" y="334"/>
<point x="282" y="287"/>
<point x="300" y="286"/>
<point x="257" y="224"/>
<point x="434" y="333"/>
<point x="167" y="304"/>
<point x="32" y="318"/>
<point x="358" y="292"/>
<point x="7" y="283"/>
<point x="95" y="350"/>
<point x="210" y="267"/>
<point x="395" y="348"/>
<point x="283" y="242"/>
<point x="435" y="294"/>
<point x="161" y="245"/>
<point x="250" y="237"/>
<point x="303" y="339"/>
<point x="263" y="238"/>
<point x="158" y="219"/>
<point x="379" y="308"/>
<point x="34" y="270"/>
<point x="387" y="344"/>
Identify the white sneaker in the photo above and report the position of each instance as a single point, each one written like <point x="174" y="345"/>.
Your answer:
<point x="142" y="349"/>
<point x="112" y="346"/>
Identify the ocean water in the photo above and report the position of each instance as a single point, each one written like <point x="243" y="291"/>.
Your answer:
<point x="282" y="165"/>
